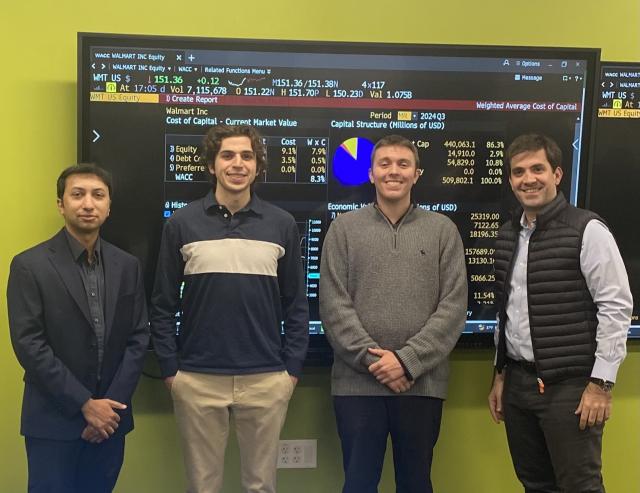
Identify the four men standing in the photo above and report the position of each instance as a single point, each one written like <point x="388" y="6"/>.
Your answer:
<point x="393" y="300"/>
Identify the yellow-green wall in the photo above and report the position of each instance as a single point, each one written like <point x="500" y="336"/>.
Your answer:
<point x="38" y="139"/>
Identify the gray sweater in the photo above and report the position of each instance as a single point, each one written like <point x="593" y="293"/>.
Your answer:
<point x="402" y="289"/>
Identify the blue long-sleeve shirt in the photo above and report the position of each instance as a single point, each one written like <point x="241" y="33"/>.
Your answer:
<point x="243" y="282"/>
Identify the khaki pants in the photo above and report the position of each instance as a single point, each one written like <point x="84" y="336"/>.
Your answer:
<point x="203" y="405"/>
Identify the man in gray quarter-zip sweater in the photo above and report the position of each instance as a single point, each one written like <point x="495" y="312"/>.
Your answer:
<point x="393" y="299"/>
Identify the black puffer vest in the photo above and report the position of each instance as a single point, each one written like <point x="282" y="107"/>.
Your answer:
<point x="562" y="314"/>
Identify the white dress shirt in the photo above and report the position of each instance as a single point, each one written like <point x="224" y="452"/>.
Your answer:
<point x="607" y="281"/>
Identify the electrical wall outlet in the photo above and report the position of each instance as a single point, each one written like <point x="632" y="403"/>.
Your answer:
<point x="297" y="454"/>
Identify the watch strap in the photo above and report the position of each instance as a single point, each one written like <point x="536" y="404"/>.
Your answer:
<point x="605" y="385"/>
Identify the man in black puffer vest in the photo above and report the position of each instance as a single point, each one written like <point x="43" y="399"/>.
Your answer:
<point x="564" y="309"/>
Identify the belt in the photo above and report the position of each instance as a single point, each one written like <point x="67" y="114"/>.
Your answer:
<point x="528" y="366"/>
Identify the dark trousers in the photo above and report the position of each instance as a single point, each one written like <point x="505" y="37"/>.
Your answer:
<point x="549" y="451"/>
<point x="75" y="466"/>
<point x="364" y="423"/>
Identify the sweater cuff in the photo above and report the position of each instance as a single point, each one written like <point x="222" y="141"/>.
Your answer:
<point x="294" y="367"/>
<point x="368" y="359"/>
<point x="409" y="360"/>
<point x="407" y="373"/>
<point x="168" y="367"/>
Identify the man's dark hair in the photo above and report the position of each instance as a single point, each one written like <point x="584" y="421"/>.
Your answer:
<point x="212" y="142"/>
<point x="396" y="140"/>
<point x="532" y="143"/>
<point x="84" y="169"/>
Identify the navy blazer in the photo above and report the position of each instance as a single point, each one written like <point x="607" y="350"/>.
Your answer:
<point x="55" y="342"/>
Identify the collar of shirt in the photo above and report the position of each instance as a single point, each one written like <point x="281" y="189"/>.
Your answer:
<point x="525" y="224"/>
<point x="255" y="204"/>
<point x="412" y="206"/>
<point x="79" y="252"/>
<point x="547" y="212"/>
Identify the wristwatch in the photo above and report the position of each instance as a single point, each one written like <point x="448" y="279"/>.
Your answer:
<point x="605" y="385"/>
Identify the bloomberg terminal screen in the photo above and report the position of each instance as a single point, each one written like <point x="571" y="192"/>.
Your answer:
<point x="616" y="166"/>
<point x="146" y="102"/>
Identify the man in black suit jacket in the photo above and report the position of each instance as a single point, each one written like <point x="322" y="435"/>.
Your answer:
<point x="78" y="324"/>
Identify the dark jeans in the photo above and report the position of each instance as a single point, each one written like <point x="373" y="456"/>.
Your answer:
<point x="364" y="423"/>
<point x="549" y="451"/>
<point x="75" y="466"/>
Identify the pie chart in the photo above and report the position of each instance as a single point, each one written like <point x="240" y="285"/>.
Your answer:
<point x="352" y="160"/>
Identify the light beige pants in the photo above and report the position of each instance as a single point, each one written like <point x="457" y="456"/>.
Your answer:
<point x="203" y="405"/>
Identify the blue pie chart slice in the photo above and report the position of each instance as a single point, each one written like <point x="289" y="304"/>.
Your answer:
<point x="351" y="161"/>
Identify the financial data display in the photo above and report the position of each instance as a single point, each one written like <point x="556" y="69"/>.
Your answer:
<point x="616" y="166"/>
<point x="146" y="102"/>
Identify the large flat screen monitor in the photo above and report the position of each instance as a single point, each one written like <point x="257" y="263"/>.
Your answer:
<point x="616" y="166"/>
<point x="145" y="103"/>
